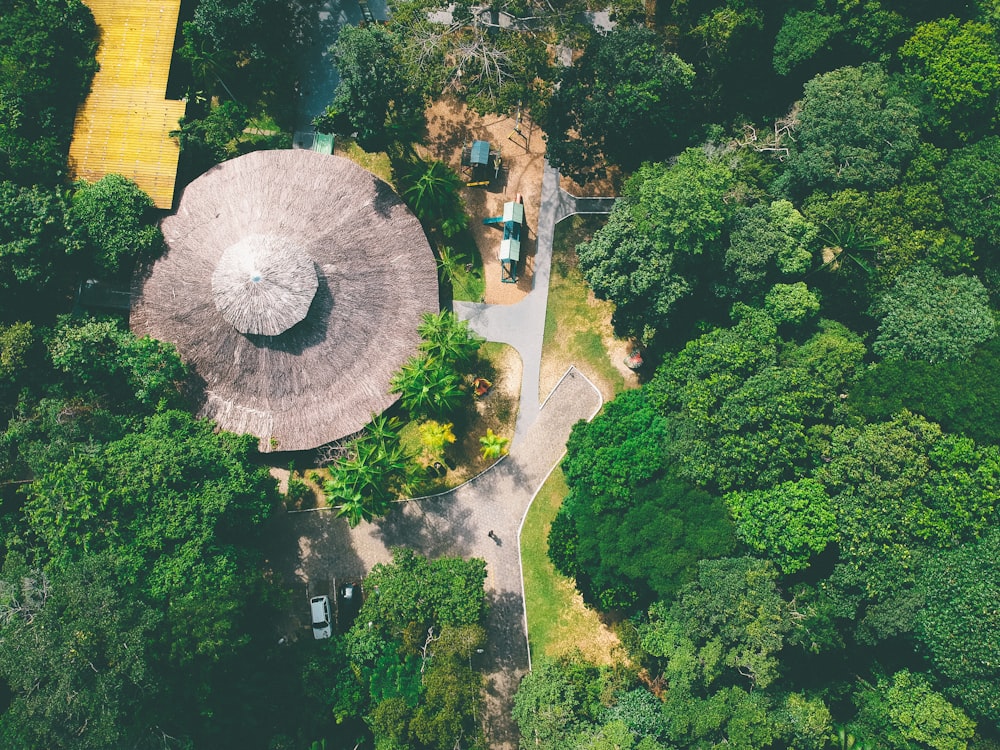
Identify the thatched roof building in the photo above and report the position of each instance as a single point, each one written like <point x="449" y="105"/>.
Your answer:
<point x="293" y="284"/>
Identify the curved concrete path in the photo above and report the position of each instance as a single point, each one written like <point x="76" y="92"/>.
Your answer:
<point x="457" y="523"/>
<point x="522" y="325"/>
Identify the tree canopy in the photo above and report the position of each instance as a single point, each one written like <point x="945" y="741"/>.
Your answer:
<point x="854" y="130"/>
<point x="116" y="219"/>
<point x="959" y="66"/>
<point x="649" y="257"/>
<point x="932" y="317"/>
<point x="623" y="101"/>
<point x="374" y="97"/>
<point x="47" y="52"/>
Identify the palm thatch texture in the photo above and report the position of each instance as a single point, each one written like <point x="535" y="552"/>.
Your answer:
<point x="293" y="284"/>
<point x="264" y="285"/>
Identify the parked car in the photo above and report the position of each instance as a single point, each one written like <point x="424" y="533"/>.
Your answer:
<point x="320" y="608"/>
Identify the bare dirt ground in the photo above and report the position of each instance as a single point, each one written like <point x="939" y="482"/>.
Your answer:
<point x="610" y="184"/>
<point x="451" y="125"/>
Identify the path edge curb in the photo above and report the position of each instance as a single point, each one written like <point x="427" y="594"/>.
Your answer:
<point x="556" y="465"/>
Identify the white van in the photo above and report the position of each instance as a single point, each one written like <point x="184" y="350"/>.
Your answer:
<point x="320" y="608"/>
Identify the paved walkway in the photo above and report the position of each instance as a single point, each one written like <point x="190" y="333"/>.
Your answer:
<point x="522" y="325"/>
<point x="457" y="523"/>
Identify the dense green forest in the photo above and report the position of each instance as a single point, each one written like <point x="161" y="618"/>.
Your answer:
<point x="796" y="516"/>
<point x="794" y="520"/>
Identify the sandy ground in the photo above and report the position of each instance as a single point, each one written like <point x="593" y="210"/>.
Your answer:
<point x="506" y="390"/>
<point x="451" y="125"/>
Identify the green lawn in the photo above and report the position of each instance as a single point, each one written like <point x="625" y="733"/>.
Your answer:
<point x="468" y="283"/>
<point x="558" y="621"/>
<point x="377" y="162"/>
<point x="577" y="327"/>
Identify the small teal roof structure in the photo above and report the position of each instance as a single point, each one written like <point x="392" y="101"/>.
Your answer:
<point x="480" y="153"/>
<point x="323" y="143"/>
<point x="513" y="219"/>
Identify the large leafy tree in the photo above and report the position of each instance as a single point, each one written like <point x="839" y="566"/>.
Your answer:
<point x="963" y="396"/>
<point x="853" y="131"/>
<point x="622" y="102"/>
<point x="248" y="48"/>
<point x="177" y="507"/>
<point x="969" y="184"/>
<point x="209" y="140"/>
<point x="552" y="706"/>
<point x="810" y="40"/>
<point x="46" y="62"/>
<point x="75" y="650"/>
<point x="743" y="407"/>
<point x="932" y="317"/>
<point x="494" y="59"/>
<point x="959" y="64"/>
<point x="901" y="486"/>
<point x="416" y="591"/>
<point x="623" y="556"/>
<point x="16" y="343"/>
<point x="375" y="97"/>
<point x="804" y="34"/>
<point x="886" y="232"/>
<point x="624" y="532"/>
<point x="658" y="243"/>
<point x="789" y="523"/>
<point x="731" y="620"/>
<point x="118" y="223"/>
<point x="98" y="354"/>
<point x="768" y="242"/>
<point x="618" y="451"/>
<point x="37" y="248"/>
<point x="412" y="647"/>
<point x="904" y="711"/>
<point x="958" y="626"/>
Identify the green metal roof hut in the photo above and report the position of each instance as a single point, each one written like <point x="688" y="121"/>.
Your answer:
<point x="510" y="246"/>
<point x="482" y="163"/>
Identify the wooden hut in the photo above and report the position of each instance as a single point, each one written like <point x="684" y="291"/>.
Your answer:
<point x="293" y="284"/>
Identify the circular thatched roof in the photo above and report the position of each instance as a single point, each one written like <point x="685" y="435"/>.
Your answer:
<point x="345" y="273"/>
<point x="264" y="285"/>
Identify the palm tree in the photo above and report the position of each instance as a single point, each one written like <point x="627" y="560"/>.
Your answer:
<point x="493" y="445"/>
<point x="848" y="244"/>
<point x="448" y="338"/>
<point x="375" y="472"/>
<point x="354" y="509"/>
<point x="434" y="196"/>
<point x="382" y="429"/>
<point x="427" y="386"/>
<point x="847" y="741"/>
<point x="206" y="62"/>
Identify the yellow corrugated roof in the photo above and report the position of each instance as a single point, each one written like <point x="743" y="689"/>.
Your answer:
<point x="122" y="127"/>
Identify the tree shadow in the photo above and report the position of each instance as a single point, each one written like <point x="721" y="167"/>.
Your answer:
<point x="434" y="526"/>
<point x="307" y="553"/>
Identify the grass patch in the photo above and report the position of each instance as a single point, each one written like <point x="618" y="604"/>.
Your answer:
<point x="469" y="283"/>
<point x="558" y="621"/>
<point x="377" y="163"/>
<point x="577" y="326"/>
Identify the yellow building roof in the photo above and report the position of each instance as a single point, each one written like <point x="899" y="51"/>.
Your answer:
<point x="123" y="126"/>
